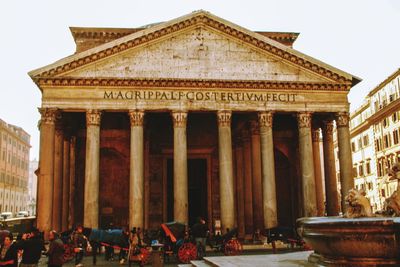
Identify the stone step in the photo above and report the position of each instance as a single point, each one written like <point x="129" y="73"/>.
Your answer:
<point x="200" y="263"/>
<point x="185" y="265"/>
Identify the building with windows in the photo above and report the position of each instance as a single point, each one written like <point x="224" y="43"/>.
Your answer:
<point x="192" y="117"/>
<point x="14" y="168"/>
<point x="32" y="186"/>
<point x="375" y="129"/>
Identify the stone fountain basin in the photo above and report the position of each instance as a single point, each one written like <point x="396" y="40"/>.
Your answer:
<point x="352" y="242"/>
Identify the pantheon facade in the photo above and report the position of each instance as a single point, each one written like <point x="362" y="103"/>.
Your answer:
<point x="192" y="117"/>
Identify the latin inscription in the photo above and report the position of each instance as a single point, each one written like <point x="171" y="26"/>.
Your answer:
<point x="200" y="96"/>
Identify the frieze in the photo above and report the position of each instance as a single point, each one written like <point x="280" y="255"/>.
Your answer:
<point x="181" y="25"/>
<point x="189" y="83"/>
<point x="214" y="96"/>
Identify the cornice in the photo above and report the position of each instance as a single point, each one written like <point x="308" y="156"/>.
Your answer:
<point x="200" y="18"/>
<point x="189" y="83"/>
<point x="376" y="117"/>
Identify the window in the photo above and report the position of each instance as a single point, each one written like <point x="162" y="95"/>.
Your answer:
<point x="355" y="171"/>
<point x="383" y="192"/>
<point x="359" y="143"/>
<point x="368" y="167"/>
<point x="394" y="117"/>
<point x="379" y="168"/>
<point x="385" y="122"/>
<point x="353" y="146"/>
<point x="377" y="146"/>
<point x="395" y="137"/>
<point x="366" y="140"/>
<point x="391" y="97"/>
<point x="385" y="141"/>
<point x="360" y="170"/>
<point x="369" y="186"/>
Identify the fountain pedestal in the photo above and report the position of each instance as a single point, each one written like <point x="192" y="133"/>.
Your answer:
<point x="337" y="241"/>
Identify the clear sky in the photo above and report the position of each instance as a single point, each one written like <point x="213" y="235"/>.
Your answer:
<point x="361" y="37"/>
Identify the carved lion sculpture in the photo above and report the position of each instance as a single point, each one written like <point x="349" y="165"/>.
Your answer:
<point x="359" y="205"/>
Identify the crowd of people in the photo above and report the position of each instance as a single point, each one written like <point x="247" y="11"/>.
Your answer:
<point x="28" y="248"/>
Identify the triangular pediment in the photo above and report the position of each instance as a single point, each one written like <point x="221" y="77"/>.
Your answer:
<point x="197" y="46"/>
<point x="199" y="53"/>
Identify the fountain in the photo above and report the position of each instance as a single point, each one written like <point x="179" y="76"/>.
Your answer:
<point x="359" y="238"/>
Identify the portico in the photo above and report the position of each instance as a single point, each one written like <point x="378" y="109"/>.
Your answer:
<point x="193" y="106"/>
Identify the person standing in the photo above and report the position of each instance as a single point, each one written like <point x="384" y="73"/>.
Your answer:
<point x="56" y="250"/>
<point x="32" y="245"/>
<point x="80" y="242"/>
<point x="200" y="232"/>
<point x="8" y="252"/>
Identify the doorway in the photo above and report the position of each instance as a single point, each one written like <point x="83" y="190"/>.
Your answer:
<point x="197" y="189"/>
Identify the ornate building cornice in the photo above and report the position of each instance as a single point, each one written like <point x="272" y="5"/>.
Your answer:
<point x="136" y="117"/>
<point x="190" y="83"/>
<point x="224" y="118"/>
<point x="180" y="25"/>
<point x="265" y="119"/>
<point x="93" y="117"/>
<point x="304" y="119"/>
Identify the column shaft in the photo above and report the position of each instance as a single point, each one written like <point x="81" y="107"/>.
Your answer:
<point x="91" y="191"/>
<point x="46" y="169"/>
<point x="226" y="181"/>
<point x="331" y="187"/>
<point x="318" y="172"/>
<point x="345" y="156"/>
<point x="240" y="188"/>
<point x="268" y="170"/>
<point x="248" y="186"/>
<point x="307" y="165"/>
<point x="72" y="189"/>
<point x="180" y="168"/>
<point x="65" y="192"/>
<point x="58" y="169"/>
<point x="136" y="181"/>
<point x="258" y="216"/>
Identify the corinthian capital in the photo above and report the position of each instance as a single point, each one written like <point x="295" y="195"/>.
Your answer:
<point x="179" y="118"/>
<point x="265" y="119"/>
<point x="342" y="119"/>
<point x="327" y="130"/>
<point x="304" y="119"/>
<point x="254" y="128"/>
<point x="136" y="117"/>
<point x="224" y="118"/>
<point x="49" y="115"/>
<point x="316" y="135"/>
<point x="93" y="117"/>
